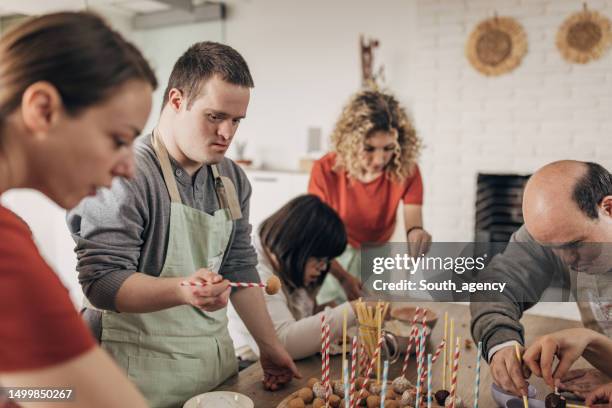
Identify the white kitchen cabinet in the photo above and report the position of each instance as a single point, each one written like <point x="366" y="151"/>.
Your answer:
<point x="272" y="189"/>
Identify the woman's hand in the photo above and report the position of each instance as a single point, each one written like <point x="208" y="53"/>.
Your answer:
<point x="419" y="241"/>
<point x="567" y="345"/>
<point x="353" y="287"/>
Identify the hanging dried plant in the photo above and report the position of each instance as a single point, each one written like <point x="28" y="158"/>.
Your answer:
<point x="496" y="46"/>
<point x="584" y="36"/>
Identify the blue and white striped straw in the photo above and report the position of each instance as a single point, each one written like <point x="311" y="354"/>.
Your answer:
<point x="477" y="382"/>
<point x="347" y="399"/>
<point x="421" y="364"/>
<point x="429" y="381"/>
<point x="383" y="388"/>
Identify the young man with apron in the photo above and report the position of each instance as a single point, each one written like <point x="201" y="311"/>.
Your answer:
<point x="183" y="217"/>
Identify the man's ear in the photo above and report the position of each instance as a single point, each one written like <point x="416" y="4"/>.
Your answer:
<point x="175" y="99"/>
<point x="606" y="206"/>
<point x="41" y="106"/>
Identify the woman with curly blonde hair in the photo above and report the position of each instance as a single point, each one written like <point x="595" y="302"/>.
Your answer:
<point x="372" y="168"/>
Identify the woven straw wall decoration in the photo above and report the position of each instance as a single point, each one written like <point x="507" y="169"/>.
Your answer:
<point x="584" y="36"/>
<point x="496" y="46"/>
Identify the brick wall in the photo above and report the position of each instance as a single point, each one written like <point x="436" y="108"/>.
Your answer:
<point x="547" y="109"/>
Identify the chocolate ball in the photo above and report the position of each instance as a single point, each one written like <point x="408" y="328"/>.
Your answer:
<point x="311" y="382"/>
<point x="375" y="388"/>
<point x="441" y="396"/>
<point x="373" y="401"/>
<point x="554" y="401"/>
<point x="318" y="403"/>
<point x="389" y="403"/>
<point x="296" y="403"/>
<point x="334" y="401"/>
<point x="338" y="388"/>
<point x="306" y="394"/>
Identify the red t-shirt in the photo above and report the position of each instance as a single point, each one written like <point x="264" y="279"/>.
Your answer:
<point x="367" y="209"/>
<point x="39" y="326"/>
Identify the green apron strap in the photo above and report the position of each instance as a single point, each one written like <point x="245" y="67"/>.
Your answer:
<point x="166" y="167"/>
<point x="226" y="193"/>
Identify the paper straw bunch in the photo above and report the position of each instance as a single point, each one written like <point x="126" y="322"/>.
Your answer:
<point x="370" y="322"/>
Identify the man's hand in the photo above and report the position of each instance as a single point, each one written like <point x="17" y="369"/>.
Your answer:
<point x="278" y="367"/>
<point x="567" y="345"/>
<point x="211" y="297"/>
<point x="419" y="242"/>
<point x="583" y="381"/>
<point x="508" y="373"/>
<point x="600" y="397"/>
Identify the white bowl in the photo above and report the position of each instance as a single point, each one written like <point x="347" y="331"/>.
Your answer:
<point x="220" y="399"/>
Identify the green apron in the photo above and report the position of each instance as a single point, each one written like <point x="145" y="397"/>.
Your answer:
<point x="331" y="290"/>
<point x="174" y="354"/>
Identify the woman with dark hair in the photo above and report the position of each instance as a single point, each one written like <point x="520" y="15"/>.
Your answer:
<point x="73" y="96"/>
<point x="297" y="243"/>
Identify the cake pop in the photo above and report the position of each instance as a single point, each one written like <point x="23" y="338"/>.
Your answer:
<point x="273" y="285"/>
<point x="441" y="396"/>
<point x="401" y="384"/>
<point x="554" y="401"/>
<point x="338" y="388"/>
<point x="458" y="402"/>
<point x="409" y="397"/>
<point x="319" y="390"/>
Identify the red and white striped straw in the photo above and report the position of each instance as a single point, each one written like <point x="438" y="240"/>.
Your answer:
<point x="433" y="360"/>
<point x="351" y="395"/>
<point x="411" y="340"/>
<point x="327" y="381"/>
<point x="233" y="284"/>
<point x="369" y="371"/>
<point x="323" y="361"/>
<point x="362" y="358"/>
<point x="454" y="374"/>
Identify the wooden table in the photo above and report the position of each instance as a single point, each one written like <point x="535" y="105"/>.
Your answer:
<point x="248" y="381"/>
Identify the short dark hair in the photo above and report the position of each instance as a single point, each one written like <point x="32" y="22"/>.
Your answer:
<point x="304" y="227"/>
<point x="77" y="52"/>
<point x="591" y="188"/>
<point x="202" y="61"/>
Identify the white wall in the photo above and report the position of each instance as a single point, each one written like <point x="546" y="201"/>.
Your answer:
<point x="304" y="57"/>
<point x="545" y="110"/>
<point x="163" y="46"/>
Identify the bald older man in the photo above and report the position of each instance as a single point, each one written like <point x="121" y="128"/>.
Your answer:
<point x="567" y="207"/>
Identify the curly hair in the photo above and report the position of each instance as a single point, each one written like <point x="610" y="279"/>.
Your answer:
<point x="369" y="111"/>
